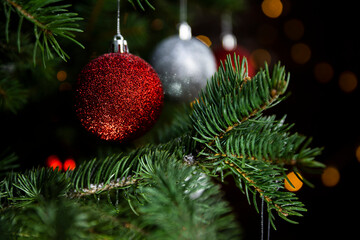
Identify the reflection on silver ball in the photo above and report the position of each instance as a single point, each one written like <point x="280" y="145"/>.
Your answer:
<point x="184" y="66"/>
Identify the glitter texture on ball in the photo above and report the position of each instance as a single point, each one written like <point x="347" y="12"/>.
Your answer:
<point x="184" y="66"/>
<point x="119" y="96"/>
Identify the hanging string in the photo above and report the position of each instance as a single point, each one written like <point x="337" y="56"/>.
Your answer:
<point x="183" y="11"/>
<point x="262" y="221"/>
<point x="262" y="218"/>
<point x="119" y="44"/>
<point x="268" y="230"/>
<point x="226" y="23"/>
<point x="118" y="19"/>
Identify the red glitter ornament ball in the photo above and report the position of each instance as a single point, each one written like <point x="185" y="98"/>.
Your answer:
<point x="119" y="96"/>
<point x="221" y="54"/>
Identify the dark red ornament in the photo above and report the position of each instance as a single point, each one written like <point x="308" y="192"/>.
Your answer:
<point x="119" y="96"/>
<point x="221" y="54"/>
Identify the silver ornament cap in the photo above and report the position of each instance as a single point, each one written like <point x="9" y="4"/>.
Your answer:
<point x="119" y="44"/>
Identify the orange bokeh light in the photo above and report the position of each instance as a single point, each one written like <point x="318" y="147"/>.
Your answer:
<point x="272" y="8"/>
<point x="331" y="176"/>
<point x="348" y="81"/>
<point x="259" y="57"/>
<point x="294" y="29"/>
<point x="324" y="72"/>
<point x="205" y="40"/>
<point x="357" y="153"/>
<point x="61" y="75"/>
<point x="295" y="181"/>
<point x="300" y="53"/>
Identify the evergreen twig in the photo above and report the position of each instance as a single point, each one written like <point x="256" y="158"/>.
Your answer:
<point x="50" y="21"/>
<point x="236" y="140"/>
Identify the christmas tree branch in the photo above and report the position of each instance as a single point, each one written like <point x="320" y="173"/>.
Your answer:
<point x="182" y="202"/>
<point x="50" y="21"/>
<point x="225" y="135"/>
<point x="8" y="162"/>
<point x="97" y="189"/>
<point x="13" y="96"/>
<point x="267" y="140"/>
<point x="230" y="98"/>
<point x="140" y="5"/>
<point x="26" y="14"/>
<point x="238" y="141"/>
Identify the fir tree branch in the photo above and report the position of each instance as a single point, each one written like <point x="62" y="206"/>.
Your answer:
<point x="26" y="14"/>
<point x="265" y="181"/>
<point x="182" y="203"/>
<point x="13" y="96"/>
<point x="267" y="140"/>
<point x="236" y="140"/>
<point x="97" y="189"/>
<point x="163" y="182"/>
<point x="8" y="163"/>
<point x="228" y="136"/>
<point x="230" y="98"/>
<point x="50" y="21"/>
<point x="140" y="5"/>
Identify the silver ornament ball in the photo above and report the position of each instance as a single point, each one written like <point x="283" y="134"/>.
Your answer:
<point x="184" y="66"/>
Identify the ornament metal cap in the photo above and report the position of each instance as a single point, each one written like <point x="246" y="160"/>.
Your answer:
<point x="119" y="45"/>
<point x="184" y="31"/>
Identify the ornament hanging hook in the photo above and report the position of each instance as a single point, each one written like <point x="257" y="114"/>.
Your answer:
<point x="119" y="44"/>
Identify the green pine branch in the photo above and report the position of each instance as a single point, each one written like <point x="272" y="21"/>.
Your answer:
<point x="50" y="22"/>
<point x="231" y="98"/>
<point x="8" y="162"/>
<point x="237" y="140"/>
<point x="13" y="96"/>
<point x="225" y="135"/>
<point x="138" y="2"/>
<point x="183" y="203"/>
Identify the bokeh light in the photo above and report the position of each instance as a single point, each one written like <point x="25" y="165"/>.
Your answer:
<point x="259" y="57"/>
<point x="295" y="181"/>
<point x="65" y="86"/>
<point x="323" y="72"/>
<point x="357" y="153"/>
<point x="348" y="81"/>
<point x="272" y="8"/>
<point x="61" y="75"/>
<point x="300" y="53"/>
<point x="54" y="162"/>
<point x="330" y="177"/>
<point x="204" y="39"/>
<point x="157" y="24"/>
<point x="229" y="42"/>
<point x="294" y="29"/>
<point x="69" y="164"/>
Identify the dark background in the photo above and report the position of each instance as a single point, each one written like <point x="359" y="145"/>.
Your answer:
<point x="48" y="125"/>
<point x="324" y="112"/>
